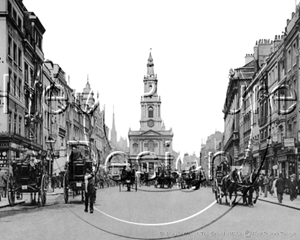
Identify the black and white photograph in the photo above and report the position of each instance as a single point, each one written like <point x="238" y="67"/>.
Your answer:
<point x="149" y="120"/>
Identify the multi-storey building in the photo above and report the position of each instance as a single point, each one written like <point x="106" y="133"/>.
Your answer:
<point x="21" y="57"/>
<point x="233" y="133"/>
<point x="269" y="126"/>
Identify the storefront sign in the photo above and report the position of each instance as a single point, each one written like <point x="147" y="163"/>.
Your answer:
<point x="282" y="158"/>
<point x="289" y="142"/>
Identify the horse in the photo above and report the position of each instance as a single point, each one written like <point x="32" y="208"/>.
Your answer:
<point x="229" y="185"/>
<point x="250" y="184"/>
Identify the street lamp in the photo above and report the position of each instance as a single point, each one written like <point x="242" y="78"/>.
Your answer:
<point x="50" y="145"/>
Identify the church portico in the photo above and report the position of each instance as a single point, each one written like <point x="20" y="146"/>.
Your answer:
<point x="152" y="135"/>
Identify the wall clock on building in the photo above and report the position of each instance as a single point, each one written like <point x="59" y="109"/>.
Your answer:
<point x="150" y="123"/>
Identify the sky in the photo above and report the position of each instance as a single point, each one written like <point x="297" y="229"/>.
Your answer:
<point x="194" y="44"/>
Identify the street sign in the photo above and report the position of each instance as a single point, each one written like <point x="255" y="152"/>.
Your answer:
<point x="289" y="142"/>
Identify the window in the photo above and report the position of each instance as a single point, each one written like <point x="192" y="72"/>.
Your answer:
<point x="14" y="15"/>
<point x="14" y="85"/>
<point x="20" y="87"/>
<point x="20" y="58"/>
<point x="26" y="72"/>
<point x="9" y="46"/>
<point x="294" y="60"/>
<point x="135" y="147"/>
<point x="9" y="80"/>
<point x="151" y="146"/>
<point x="31" y="77"/>
<point x="288" y="60"/>
<point x="9" y="122"/>
<point x="19" y="22"/>
<point x="150" y="112"/>
<point x="15" y="53"/>
<point x="15" y="123"/>
<point x="20" y="125"/>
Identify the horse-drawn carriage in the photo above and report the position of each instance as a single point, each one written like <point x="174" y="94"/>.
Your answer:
<point x="165" y="177"/>
<point x="28" y="175"/>
<point x="78" y="161"/>
<point x="191" y="178"/>
<point x="228" y="180"/>
<point x="126" y="176"/>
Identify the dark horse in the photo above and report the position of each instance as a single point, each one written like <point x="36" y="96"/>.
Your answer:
<point x="248" y="187"/>
<point x="229" y="185"/>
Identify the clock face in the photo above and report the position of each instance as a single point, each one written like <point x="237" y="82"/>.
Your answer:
<point x="150" y="123"/>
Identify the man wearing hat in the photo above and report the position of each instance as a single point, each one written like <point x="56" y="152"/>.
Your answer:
<point x="293" y="187"/>
<point x="89" y="183"/>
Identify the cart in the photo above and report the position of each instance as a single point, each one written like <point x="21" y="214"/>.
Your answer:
<point x="78" y="160"/>
<point x="28" y="175"/>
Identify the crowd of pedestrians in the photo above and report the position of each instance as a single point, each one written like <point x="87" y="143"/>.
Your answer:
<point x="57" y="180"/>
<point x="277" y="186"/>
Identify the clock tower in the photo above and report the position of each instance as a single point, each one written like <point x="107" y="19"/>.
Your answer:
<point x="150" y="101"/>
<point x="152" y="135"/>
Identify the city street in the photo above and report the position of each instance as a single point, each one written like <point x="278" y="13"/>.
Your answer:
<point x="149" y="213"/>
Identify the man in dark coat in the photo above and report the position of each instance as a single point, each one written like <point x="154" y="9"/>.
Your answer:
<point x="89" y="182"/>
<point x="293" y="188"/>
<point x="280" y="188"/>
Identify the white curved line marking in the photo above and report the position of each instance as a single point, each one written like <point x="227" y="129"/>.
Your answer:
<point x="158" y="224"/>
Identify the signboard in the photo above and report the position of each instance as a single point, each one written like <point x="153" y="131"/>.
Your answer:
<point x="289" y="142"/>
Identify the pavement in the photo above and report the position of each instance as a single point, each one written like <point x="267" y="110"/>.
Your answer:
<point x="285" y="202"/>
<point x="26" y="198"/>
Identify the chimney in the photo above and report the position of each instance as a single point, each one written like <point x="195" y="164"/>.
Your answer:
<point x="248" y="58"/>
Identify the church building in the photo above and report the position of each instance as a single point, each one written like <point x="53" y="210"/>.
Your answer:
<point x="152" y="135"/>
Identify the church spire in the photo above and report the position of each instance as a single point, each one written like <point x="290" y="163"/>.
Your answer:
<point x="113" y="124"/>
<point x="150" y="66"/>
<point x="113" y="133"/>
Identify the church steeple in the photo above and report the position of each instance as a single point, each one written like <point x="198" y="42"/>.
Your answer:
<point x="113" y="133"/>
<point x="150" y="66"/>
<point x="88" y="94"/>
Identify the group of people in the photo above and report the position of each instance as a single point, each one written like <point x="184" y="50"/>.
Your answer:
<point x="278" y="186"/>
<point x="57" y="180"/>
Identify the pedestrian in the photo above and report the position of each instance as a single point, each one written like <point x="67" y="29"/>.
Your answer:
<point x="261" y="183"/>
<point x="280" y="188"/>
<point x="4" y="179"/>
<point x="271" y="180"/>
<point x="89" y="182"/>
<point x="53" y="181"/>
<point x="293" y="187"/>
<point x="274" y="189"/>
<point x="266" y="185"/>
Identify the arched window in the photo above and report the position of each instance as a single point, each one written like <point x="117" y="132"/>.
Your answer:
<point x="135" y="147"/>
<point x="150" y="112"/>
<point x="151" y="146"/>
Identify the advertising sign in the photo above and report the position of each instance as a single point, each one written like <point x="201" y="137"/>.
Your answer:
<point x="289" y="142"/>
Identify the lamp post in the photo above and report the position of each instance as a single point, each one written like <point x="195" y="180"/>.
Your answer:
<point x="50" y="145"/>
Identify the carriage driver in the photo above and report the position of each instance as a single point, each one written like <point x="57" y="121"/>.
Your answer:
<point x="89" y="182"/>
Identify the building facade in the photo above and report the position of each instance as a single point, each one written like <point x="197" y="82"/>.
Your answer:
<point x="21" y="87"/>
<point x="268" y="133"/>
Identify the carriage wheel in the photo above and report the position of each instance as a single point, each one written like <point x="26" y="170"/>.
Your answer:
<point x="10" y="191"/>
<point x="42" y="193"/>
<point x="66" y="190"/>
